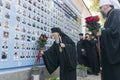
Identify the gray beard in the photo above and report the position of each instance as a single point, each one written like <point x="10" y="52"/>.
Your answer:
<point x="104" y="15"/>
<point x="57" y="41"/>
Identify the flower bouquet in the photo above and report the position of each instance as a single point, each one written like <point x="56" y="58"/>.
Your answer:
<point x="42" y="41"/>
<point x="92" y="24"/>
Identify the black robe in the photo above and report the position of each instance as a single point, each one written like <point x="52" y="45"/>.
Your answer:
<point x="110" y="47"/>
<point x="66" y="60"/>
<point x="92" y="56"/>
<point x="82" y="59"/>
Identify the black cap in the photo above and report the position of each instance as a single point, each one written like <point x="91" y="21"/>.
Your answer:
<point x="55" y="29"/>
<point x="81" y="34"/>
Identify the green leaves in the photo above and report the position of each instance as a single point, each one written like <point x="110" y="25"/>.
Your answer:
<point x="42" y="40"/>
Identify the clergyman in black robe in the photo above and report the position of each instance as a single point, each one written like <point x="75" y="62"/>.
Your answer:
<point x="81" y="56"/>
<point x="92" y="59"/>
<point x="64" y="57"/>
<point x="110" y="45"/>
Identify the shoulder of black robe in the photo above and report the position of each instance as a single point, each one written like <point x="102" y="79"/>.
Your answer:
<point x="70" y="52"/>
<point x="110" y="39"/>
<point x="51" y="59"/>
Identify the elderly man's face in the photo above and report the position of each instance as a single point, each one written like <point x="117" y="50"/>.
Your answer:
<point x="103" y="11"/>
<point x="55" y="35"/>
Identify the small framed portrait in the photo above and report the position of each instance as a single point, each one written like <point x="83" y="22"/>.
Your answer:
<point x="29" y="22"/>
<point x="23" y="37"/>
<point x="33" y="47"/>
<point x="5" y="45"/>
<point x="33" y="32"/>
<point x="28" y="55"/>
<point x="38" y="26"/>
<point x="33" y="24"/>
<point x="24" y="21"/>
<point x="29" y="8"/>
<point x="6" y="24"/>
<point x="38" y="19"/>
<point x="23" y="46"/>
<point x="33" y="38"/>
<point x="22" y="55"/>
<point x="29" y="15"/>
<point x="38" y="33"/>
<point x="33" y="55"/>
<point x="18" y="18"/>
<point x="5" y="34"/>
<point x="28" y="38"/>
<point x="17" y="27"/>
<point x="7" y="15"/>
<point x="16" y="45"/>
<point x="34" y="3"/>
<point x="29" y="31"/>
<point x="34" y="17"/>
<point x="4" y="56"/>
<point x="8" y="5"/>
<point x="17" y="37"/>
<point x="34" y="10"/>
<point x="15" y="56"/>
<point x="24" y="5"/>
<point x="23" y="29"/>
<point x="28" y="46"/>
<point x="24" y="13"/>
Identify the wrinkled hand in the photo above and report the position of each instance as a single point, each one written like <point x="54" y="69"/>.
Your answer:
<point x="62" y="45"/>
<point x="42" y="52"/>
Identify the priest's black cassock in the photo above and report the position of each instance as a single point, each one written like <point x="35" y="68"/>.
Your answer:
<point x="92" y="56"/>
<point x="65" y="59"/>
<point x="82" y="59"/>
<point x="110" y="46"/>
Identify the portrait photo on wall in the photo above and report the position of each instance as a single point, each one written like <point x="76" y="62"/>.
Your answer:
<point x="22" y="56"/>
<point x="17" y="37"/>
<point x="28" y="55"/>
<point x="8" y="5"/>
<point x="17" y="27"/>
<point x="22" y="46"/>
<point x="15" y="56"/>
<point x="33" y="55"/>
<point x="16" y="45"/>
<point x="6" y="25"/>
<point x="7" y="15"/>
<point x="5" y="34"/>
<point x="4" y="45"/>
<point x="4" y="56"/>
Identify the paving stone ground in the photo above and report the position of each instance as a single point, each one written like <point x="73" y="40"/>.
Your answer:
<point x="90" y="77"/>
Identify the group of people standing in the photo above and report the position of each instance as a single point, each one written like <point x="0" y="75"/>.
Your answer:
<point x="63" y="52"/>
<point x="88" y="54"/>
<point x="66" y="55"/>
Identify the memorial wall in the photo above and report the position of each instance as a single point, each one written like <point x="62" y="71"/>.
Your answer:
<point x="23" y="21"/>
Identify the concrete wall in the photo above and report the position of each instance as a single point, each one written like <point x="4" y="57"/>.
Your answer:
<point x="25" y="74"/>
